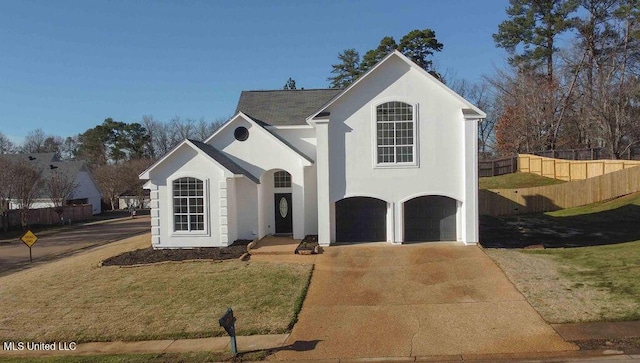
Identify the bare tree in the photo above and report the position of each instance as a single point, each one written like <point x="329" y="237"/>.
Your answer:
<point x="115" y="179"/>
<point x="480" y="95"/>
<point x="27" y="182"/>
<point x="59" y="187"/>
<point x="609" y="74"/>
<point x="181" y="129"/>
<point x="205" y="129"/>
<point x="6" y="188"/>
<point x="6" y="146"/>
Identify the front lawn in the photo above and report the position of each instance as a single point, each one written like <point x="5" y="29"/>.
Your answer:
<point x="613" y="269"/>
<point x="75" y="300"/>
<point x="599" y="281"/>
<point x="515" y="181"/>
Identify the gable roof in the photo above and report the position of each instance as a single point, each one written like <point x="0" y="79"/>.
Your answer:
<point x="216" y="155"/>
<point x="283" y="107"/>
<point x="263" y="127"/>
<point x="470" y="109"/>
<point x="223" y="160"/>
<point x="49" y="163"/>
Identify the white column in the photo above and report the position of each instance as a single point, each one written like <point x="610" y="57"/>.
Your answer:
<point x="470" y="231"/>
<point x="262" y="226"/>
<point x="325" y="220"/>
<point x="297" y="196"/>
<point x="154" y="204"/>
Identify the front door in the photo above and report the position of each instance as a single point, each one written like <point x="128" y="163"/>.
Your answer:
<point x="284" y="221"/>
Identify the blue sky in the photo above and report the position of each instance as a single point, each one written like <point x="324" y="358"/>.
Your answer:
<point x="66" y="65"/>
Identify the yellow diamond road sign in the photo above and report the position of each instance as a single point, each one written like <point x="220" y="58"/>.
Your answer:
<point x="29" y="238"/>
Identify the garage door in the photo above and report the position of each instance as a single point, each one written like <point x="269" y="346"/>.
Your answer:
<point x="430" y="218"/>
<point x="361" y="219"/>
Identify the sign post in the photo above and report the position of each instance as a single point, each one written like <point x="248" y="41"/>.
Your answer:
<point x="228" y="322"/>
<point x="29" y="239"/>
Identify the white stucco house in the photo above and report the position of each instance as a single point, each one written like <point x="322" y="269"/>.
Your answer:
<point x="392" y="157"/>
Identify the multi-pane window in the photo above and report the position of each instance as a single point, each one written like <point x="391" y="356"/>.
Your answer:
<point x="395" y="136"/>
<point x="281" y="179"/>
<point x="188" y="204"/>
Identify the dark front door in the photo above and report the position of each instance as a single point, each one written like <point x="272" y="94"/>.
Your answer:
<point x="284" y="221"/>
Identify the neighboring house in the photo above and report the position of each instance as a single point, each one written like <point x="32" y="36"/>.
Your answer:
<point x="131" y="199"/>
<point x="86" y="191"/>
<point x="393" y="157"/>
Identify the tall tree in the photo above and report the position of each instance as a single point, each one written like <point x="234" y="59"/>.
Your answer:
<point x="290" y="85"/>
<point x="610" y="39"/>
<point x="93" y="144"/>
<point x="112" y="141"/>
<point x="535" y="25"/>
<point x="419" y="46"/>
<point x="347" y="71"/>
<point x="373" y="56"/>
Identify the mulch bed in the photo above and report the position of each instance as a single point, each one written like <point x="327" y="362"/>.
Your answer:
<point x="149" y="255"/>
<point x="309" y="245"/>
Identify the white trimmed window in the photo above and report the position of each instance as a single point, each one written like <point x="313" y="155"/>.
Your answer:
<point x="188" y="205"/>
<point x="395" y="134"/>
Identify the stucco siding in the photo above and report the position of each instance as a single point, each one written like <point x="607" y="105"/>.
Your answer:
<point x="302" y="138"/>
<point x="259" y="153"/>
<point x="440" y="146"/>
<point x="246" y="208"/>
<point x="189" y="163"/>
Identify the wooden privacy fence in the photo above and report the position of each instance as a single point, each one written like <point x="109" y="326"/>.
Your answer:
<point x="632" y="153"/>
<point x="497" y="167"/>
<point x="48" y="216"/>
<point x="498" y="202"/>
<point x="570" y="169"/>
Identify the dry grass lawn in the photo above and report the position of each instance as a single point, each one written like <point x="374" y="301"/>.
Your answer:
<point x="75" y="300"/>
<point x="564" y="289"/>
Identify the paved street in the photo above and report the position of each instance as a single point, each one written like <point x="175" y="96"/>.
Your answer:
<point x="14" y="255"/>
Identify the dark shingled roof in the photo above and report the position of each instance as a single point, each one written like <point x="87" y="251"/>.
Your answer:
<point x="224" y="160"/>
<point x="284" y="107"/>
<point x="48" y="163"/>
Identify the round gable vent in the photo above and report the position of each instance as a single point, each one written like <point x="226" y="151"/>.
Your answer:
<point x="241" y="133"/>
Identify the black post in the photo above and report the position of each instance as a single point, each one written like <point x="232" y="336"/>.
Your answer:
<point x="228" y="322"/>
<point x="30" y="259"/>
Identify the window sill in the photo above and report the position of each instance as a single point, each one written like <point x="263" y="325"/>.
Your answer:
<point x="190" y="233"/>
<point x="396" y="166"/>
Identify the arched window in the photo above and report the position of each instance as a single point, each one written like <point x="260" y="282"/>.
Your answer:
<point x="281" y="179"/>
<point x="395" y="133"/>
<point x="188" y="205"/>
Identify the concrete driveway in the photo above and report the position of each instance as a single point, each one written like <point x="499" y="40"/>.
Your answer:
<point x="421" y="300"/>
<point x="14" y="255"/>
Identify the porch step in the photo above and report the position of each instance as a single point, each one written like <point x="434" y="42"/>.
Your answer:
<point x="273" y="245"/>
